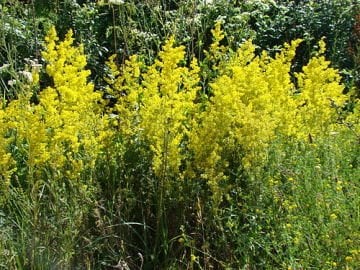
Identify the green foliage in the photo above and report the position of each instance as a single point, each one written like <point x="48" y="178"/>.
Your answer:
<point x="138" y="27"/>
<point x="282" y="21"/>
<point x="354" y="51"/>
<point x="19" y="45"/>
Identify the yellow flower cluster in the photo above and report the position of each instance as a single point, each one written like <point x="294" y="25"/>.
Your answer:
<point x="158" y="103"/>
<point x="27" y="129"/>
<point x="320" y="94"/>
<point x="65" y="127"/>
<point x="169" y="93"/>
<point x="217" y="52"/>
<point x="253" y="99"/>
<point x="71" y="107"/>
<point x="125" y="86"/>
<point x="7" y="165"/>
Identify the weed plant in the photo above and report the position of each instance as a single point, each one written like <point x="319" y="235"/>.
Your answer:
<point x="210" y="154"/>
<point x="259" y="170"/>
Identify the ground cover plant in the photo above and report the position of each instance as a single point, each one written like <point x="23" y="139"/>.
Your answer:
<point x="180" y="155"/>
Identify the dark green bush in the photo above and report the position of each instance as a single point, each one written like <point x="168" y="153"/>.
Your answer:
<point x="281" y="21"/>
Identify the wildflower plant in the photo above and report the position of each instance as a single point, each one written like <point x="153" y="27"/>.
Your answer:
<point x="7" y="164"/>
<point x="225" y="135"/>
<point x="50" y="141"/>
<point x="218" y="163"/>
<point x="158" y="103"/>
<point x="155" y="106"/>
<point x="66" y="123"/>
<point x="252" y="100"/>
<point x="320" y="94"/>
<point x="255" y="99"/>
<point x="71" y="105"/>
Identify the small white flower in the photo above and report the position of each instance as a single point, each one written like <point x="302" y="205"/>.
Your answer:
<point x="116" y="2"/>
<point x="4" y="67"/>
<point x="208" y="2"/>
<point x="113" y="116"/>
<point x="27" y="75"/>
<point x="11" y="82"/>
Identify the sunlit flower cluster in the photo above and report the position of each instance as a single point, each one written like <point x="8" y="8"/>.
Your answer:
<point x="158" y="103"/>
<point x="62" y="130"/>
<point x="250" y="101"/>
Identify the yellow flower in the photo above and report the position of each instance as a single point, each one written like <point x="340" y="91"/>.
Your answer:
<point x="252" y="100"/>
<point x="161" y="106"/>
<point x="320" y="92"/>
<point x="63" y="129"/>
<point x="193" y="258"/>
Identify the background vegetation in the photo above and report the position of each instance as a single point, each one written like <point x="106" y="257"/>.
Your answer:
<point x="193" y="135"/>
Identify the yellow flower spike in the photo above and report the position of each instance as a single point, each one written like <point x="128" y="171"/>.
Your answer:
<point x="320" y="93"/>
<point x="216" y="51"/>
<point x="245" y="54"/>
<point x="63" y="129"/>
<point x="218" y="36"/>
<point x="322" y="47"/>
<point x="51" y="36"/>
<point x="7" y="164"/>
<point x="160" y="106"/>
